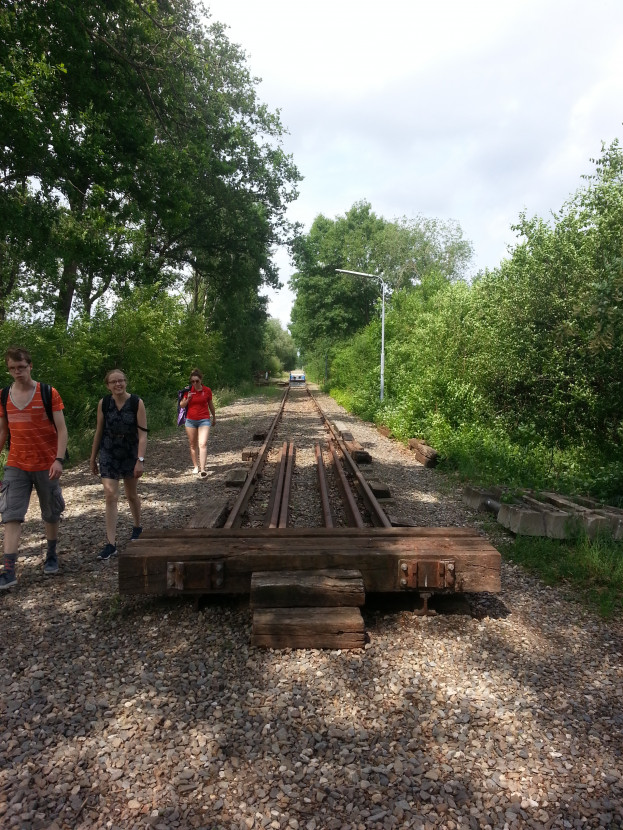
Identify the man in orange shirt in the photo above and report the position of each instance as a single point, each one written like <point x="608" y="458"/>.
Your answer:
<point x="36" y="454"/>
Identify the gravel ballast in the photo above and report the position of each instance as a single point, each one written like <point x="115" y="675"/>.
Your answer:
<point x="133" y="712"/>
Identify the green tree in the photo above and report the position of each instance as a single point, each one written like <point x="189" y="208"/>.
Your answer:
<point x="329" y="307"/>
<point x="141" y="132"/>
<point x="280" y="352"/>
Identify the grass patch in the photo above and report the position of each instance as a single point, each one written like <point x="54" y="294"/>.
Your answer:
<point x="591" y="568"/>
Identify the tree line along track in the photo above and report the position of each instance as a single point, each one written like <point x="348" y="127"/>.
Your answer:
<point x="307" y="540"/>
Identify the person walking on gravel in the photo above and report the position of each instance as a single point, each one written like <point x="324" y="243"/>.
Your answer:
<point x="200" y="416"/>
<point x="120" y="439"/>
<point x="33" y="426"/>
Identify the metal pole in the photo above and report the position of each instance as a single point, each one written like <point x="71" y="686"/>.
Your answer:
<point x="383" y="342"/>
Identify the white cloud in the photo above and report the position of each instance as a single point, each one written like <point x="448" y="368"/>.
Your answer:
<point x="464" y="110"/>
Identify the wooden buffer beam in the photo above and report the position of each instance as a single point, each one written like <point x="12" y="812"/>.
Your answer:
<point x="223" y="561"/>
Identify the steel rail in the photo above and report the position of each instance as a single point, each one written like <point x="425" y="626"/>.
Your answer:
<point x="324" y="488"/>
<point x="379" y="517"/>
<point x="356" y="519"/>
<point x="246" y="491"/>
<point x="274" y="506"/>
<point x="287" y="487"/>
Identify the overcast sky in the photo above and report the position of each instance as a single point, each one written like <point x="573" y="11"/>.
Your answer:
<point x="472" y="110"/>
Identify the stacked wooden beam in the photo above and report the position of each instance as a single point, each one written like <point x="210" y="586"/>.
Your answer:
<point x="308" y="609"/>
<point x="357" y="452"/>
<point x="425" y="455"/>
<point x="196" y="561"/>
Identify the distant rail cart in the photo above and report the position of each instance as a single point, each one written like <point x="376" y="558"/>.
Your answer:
<point x="297" y="378"/>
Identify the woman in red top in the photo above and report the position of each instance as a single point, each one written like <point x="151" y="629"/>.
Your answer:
<point x="200" y="416"/>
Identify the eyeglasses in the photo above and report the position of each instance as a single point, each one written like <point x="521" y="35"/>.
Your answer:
<point x="113" y="382"/>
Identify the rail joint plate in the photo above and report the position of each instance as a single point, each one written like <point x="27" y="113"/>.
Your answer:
<point x="196" y="576"/>
<point x="427" y="574"/>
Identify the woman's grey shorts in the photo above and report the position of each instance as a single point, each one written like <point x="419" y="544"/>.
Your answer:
<point x="16" y="490"/>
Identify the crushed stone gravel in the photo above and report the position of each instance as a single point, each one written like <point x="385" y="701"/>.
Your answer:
<point x="133" y="712"/>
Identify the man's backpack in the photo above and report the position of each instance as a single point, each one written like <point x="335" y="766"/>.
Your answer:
<point x="181" y="412"/>
<point x="46" y="397"/>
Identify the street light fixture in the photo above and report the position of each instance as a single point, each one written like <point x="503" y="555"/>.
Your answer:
<point x="384" y="288"/>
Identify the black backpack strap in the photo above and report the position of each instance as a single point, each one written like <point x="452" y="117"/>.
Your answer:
<point x="46" y="397"/>
<point x="134" y="402"/>
<point x="4" y="397"/>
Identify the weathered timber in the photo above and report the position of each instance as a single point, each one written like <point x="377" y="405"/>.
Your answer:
<point x="329" y="628"/>
<point x="357" y="452"/>
<point x="236" y="478"/>
<point x="376" y="552"/>
<point x="210" y="515"/>
<point x="401" y="521"/>
<point x="250" y="453"/>
<point x="425" y="455"/>
<point x="262" y="431"/>
<point x="342" y="428"/>
<point x="290" y="589"/>
<point x="380" y="490"/>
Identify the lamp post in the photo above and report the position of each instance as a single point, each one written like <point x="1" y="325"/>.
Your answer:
<point x="384" y="288"/>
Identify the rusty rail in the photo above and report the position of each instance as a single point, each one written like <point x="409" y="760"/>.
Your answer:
<point x="352" y="511"/>
<point x="246" y="491"/>
<point x="323" y="488"/>
<point x="274" y="505"/>
<point x="378" y="515"/>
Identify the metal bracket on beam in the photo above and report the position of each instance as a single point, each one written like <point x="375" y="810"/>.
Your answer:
<point x="195" y="576"/>
<point x="427" y="574"/>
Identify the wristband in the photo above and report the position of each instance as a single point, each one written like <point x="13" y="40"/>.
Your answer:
<point x="62" y="460"/>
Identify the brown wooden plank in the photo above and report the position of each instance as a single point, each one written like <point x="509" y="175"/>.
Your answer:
<point x="425" y="455"/>
<point x="250" y="453"/>
<point x="301" y="532"/>
<point x="236" y="478"/>
<point x="380" y="490"/>
<point x="323" y="588"/>
<point x="210" y="515"/>
<point x="375" y="552"/>
<point x="334" y="628"/>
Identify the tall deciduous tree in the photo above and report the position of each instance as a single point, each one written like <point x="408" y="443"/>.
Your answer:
<point x="331" y="307"/>
<point x="141" y="129"/>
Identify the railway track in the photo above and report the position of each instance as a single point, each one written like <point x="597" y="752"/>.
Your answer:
<point x="304" y="475"/>
<point x="307" y="538"/>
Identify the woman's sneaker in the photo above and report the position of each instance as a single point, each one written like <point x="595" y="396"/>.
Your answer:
<point x="107" y="551"/>
<point x="136" y="532"/>
<point x="7" y="580"/>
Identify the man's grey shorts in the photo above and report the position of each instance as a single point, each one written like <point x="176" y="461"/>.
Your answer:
<point x="16" y="490"/>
